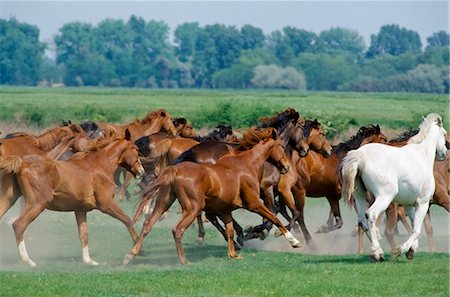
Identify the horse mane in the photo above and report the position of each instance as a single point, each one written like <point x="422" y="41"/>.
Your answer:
<point x="179" y="121"/>
<point x="308" y="126"/>
<point x="153" y="115"/>
<point x="355" y="141"/>
<point x="424" y="127"/>
<point x="405" y="136"/>
<point x="253" y="136"/>
<point x="218" y="135"/>
<point x="280" y="120"/>
<point x="99" y="143"/>
<point x="50" y="138"/>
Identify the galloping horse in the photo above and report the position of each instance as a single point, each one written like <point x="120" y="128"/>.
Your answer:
<point x="319" y="176"/>
<point x="80" y="184"/>
<point x="218" y="188"/>
<point x="154" y="122"/>
<point x="395" y="212"/>
<point x="395" y="174"/>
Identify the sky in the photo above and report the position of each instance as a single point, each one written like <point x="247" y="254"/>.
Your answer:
<point x="366" y="17"/>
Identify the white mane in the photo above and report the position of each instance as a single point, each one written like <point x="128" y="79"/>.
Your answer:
<point x="432" y="118"/>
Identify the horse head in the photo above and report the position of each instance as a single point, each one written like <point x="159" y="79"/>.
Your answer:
<point x="130" y="157"/>
<point x="316" y="138"/>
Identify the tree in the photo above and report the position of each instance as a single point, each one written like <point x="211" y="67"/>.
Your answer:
<point x="440" y="38"/>
<point x="327" y="72"/>
<point x="275" y="77"/>
<point x="338" y="40"/>
<point x="21" y="53"/>
<point x="395" y="41"/>
<point x="185" y="39"/>
<point x="252" y="37"/>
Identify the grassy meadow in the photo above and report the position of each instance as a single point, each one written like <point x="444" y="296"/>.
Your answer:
<point x="268" y="268"/>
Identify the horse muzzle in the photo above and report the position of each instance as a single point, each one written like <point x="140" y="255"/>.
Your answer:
<point x="284" y="169"/>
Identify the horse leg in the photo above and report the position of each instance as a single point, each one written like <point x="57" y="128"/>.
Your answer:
<point x="429" y="230"/>
<point x="112" y="209"/>
<point x="417" y="217"/>
<point x="381" y="204"/>
<point x="187" y="217"/>
<point x="83" y="233"/>
<point x="201" y="230"/>
<point x="254" y="204"/>
<point x="228" y="221"/>
<point x="391" y="225"/>
<point x="262" y="230"/>
<point x="213" y="220"/>
<point x="9" y="193"/>
<point x="300" y="199"/>
<point x="334" y="214"/>
<point x="360" y="207"/>
<point x="127" y="177"/>
<point x="163" y="203"/>
<point x="286" y="197"/>
<point x="239" y="234"/>
<point x="20" y="225"/>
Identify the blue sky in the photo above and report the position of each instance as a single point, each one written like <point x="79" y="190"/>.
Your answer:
<point x="366" y="17"/>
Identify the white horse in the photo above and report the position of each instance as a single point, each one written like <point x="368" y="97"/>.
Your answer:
<point x="395" y="174"/>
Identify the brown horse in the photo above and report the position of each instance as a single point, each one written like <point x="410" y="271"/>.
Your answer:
<point x="395" y="212"/>
<point x="288" y="125"/>
<point x="317" y="142"/>
<point x="184" y="128"/>
<point x="319" y="175"/>
<point x="154" y="122"/>
<point x="80" y="184"/>
<point x="218" y="188"/>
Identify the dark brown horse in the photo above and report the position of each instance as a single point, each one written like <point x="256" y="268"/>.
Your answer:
<point x="218" y="188"/>
<point x="320" y="178"/>
<point x="80" y="184"/>
<point x="184" y="128"/>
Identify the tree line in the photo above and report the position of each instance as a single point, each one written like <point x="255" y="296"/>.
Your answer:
<point x="140" y="53"/>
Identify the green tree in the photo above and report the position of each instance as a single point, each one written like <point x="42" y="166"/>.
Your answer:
<point x="440" y="38"/>
<point x="252" y="37"/>
<point x="395" y="41"/>
<point x="21" y="53"/>
<point x="338" y="40"/>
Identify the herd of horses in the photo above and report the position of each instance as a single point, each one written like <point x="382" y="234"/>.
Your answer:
<point x="268" y="170"/>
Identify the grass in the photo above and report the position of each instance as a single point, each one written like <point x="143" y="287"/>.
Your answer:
<point x="268" y="268"/>
<point x="204" y="108"/>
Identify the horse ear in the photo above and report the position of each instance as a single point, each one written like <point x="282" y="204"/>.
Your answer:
<point x="439" y="122"/>
<point x="274" y="134"/>
<point x="378" y="128"/>
<point x="127" y="134"/>
<point x="163" y="113"/>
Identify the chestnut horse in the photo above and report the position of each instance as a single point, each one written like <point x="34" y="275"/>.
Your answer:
<point x="154" y="122"/>
<point x="80" y="184"/>
<point x="291" y="133"/>
<point x="319" y="176"/>
<point x="218" y="188"/>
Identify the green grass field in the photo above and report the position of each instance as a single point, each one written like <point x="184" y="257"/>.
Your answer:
<point x="269" y="267"/>
<point x="204" y="108"/>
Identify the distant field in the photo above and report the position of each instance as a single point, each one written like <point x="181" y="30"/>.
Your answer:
<point x="41" y="107"/>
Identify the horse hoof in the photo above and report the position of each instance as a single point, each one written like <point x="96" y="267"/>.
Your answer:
<point x="91" y="262"/>
<point x="396" y="252"/>
<point x="248" y="229"/>
<point x="373" y="259"/>
<point x="410" y="254"/>
<point x="240" y="240"/>
<point x="199" y="241"/>
<point x="264" y="233"/>
<point x="127" y="259"/>
<point x="323" y="229"/>
<point x="381" y="259"/>
<point x="237" y="247"/>
<point x="277" y="233"/>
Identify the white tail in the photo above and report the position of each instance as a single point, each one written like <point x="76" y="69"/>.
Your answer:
<point x="349" y="170"/>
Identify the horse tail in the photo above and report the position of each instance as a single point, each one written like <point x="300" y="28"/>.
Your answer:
<point x="185" y="156"/>
<point x="160" y="187"/>
<point x="349" y="170"/>
<point x="11" y="164"/>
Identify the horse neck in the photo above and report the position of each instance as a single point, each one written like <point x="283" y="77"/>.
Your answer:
<point x="258" y="154"/>
<point x="49" y="140"/>
<point x="60" y="148"/>
<point x="429" y="143"/>
<point x="285" y="135"/>
<point x="108" y="157"/>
